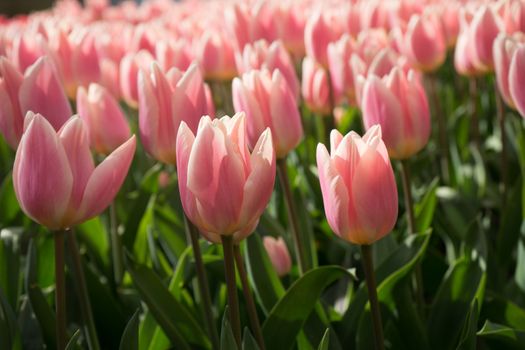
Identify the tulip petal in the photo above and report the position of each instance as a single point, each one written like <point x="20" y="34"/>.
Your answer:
<point x="517" y="79"/>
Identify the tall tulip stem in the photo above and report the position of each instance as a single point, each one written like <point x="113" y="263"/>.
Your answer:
<point x="368" y="265"/>
<point x="81" y="289"/>
<point x="204" y="289"/>
<point x="501" y="118"/>
<point x="233" y="303"/>
<point x="248" y="297"/>
<point x="116" y="245"/>
<point x="292" y="214"/>
<point x="442" y="127"/>
<point x="60" y="290"/>
<point x="473" y="90"/>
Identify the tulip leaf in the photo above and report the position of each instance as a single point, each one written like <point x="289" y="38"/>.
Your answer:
<point x="130" y="337"/>
<point x="503" y="311"/>
<point x="8" y="202"/>
<point x="468" y="335"/>
<point x="289" y="314"/>
<point x="501" y="337"/>
<point x="325" y="342"/>
<point x="227" y="339"/>
<point x="9" y="332"/>
<point x="424" y="210"/>
<point x="248" y="341"/>
<point x="72" y="344"/>
<point x="10" y="264"/>
<point x="175" y="318"/>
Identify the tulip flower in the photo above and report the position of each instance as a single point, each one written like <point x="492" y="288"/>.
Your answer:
<point x="290" y="21"/>
<point x="130" y="66"/>
<point x="39" y="90"/>
<point x="278" y="254"/>
<point x="107" y="126"/>
<point x="517" y="79"/>
<point x="485" y="28"/>
<point x="320" y="30"/>
<point x="54" y="176"/>
<point x="164" y="101"/>
<point x="341" y="73"/>
<point x="268" y="102"/>
<point x="315" y="87"/>
<point x="399" y="104"/>
<point x="224" y="189"/>
<point x="503" y="51"/>
<point x="215" y="54"/>
<point x="358" y="186"/>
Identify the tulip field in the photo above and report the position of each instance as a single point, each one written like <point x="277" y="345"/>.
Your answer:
<point x="263" y="174"/>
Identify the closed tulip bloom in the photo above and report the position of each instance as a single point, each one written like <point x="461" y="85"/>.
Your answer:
<point x="517" y="79"/>
<point x="399" y="104"/>
<point x="268" y="102"/>
<point x="358" y="186"/>
<point x="315" y="87"/>
<point x="164" y="101"/>
<point x="54" y="176"/>
<point x="85" y="59"/>
<point x="425" y="44"/>
<point x="224" y="189"/>
<point x="341" y="73"/>
<point x="278" y="254"/>
<point x="321" y="29"/>
<point x="503" y="50"/>
<point x="485" y="28"/>
<point x="130" y="66"/>
<point x="11" y="120"/>
<point x="105" y="121"/>
<point x="215" y="55"/>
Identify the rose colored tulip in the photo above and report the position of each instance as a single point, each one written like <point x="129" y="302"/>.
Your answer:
<point x="485" y="27"/>
<point x="85" y="60"/>
<point x="27" y="48"/>
<point x="399" y="104"/>
<point x="164" y="101"/>
<point x="260" y="55"/>
<point x="358" y="186"/>
<point x="215" y="55"/>
<point x="223" y="188"/>
<point x="290" y="21"/>
<point x="54" y="176"/>
<point x="341" y="73"/>
<point x="321" y="29"/>
<point x="278" y="254"/>
<point x="105" y="121"/>
<point x="250" y="23"/>
<point x="517" y="79"/>
<point x="268" y="102"/>
<point x="513" y="16"/>
<point x="503" y="50"/>
<point x="173" y="53"/>
<point x="449" y="15"/>
<point x="463" y="54"/>
<point x="424" y="43"/>
<point x="314" y="87"/>
<point x="11" y="120"/>
<point x="130" y="66"/>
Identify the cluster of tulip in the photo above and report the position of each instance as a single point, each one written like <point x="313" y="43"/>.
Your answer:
<point x="180" y="67"/>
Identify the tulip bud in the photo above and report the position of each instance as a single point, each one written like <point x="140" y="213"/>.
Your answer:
<point x="54" y="176"/>
<point x="315" y="88"/>
<point x="341" y="73"/>
<point x="130" y="66"/>
<point x="517" y="79"/>
<point x="105" y="121"/>
<point x="164" y="101"/>
<point x="399" y="104"/>
<point x="268" y="102"/>
<point x="223" y="188"/>
<point x="358" y="186"/>
<point x="215" y="56"/>
<point x="320" y="30"/>
<point x="279" y="255"/>
<point x="503" y="50"/>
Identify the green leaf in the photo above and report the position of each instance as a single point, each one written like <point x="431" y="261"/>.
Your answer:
<point x="468" y="335"/>
<point x="325" y="342"/>
<point x="130" y="337"/>
<point x="10" y="264"/>
<point x="504" y="312"/>
<point x="42" y="310"/>
<point x="227" y="339"/>
<point x="9" y="332"/>
<point x="519" y="274"/>
<point x="452" y="303"/>
<point x="248" y="341"/>
<point x="8" y="202"/>
<point x="288" y="316"/>
<point x="176" y="319"/>
<point x="72" y="344"/>
<point x="502" y="337"/>
<point x="424" y="210"/>
<point x="267" y="285"/>
<point x="94" y="236"/>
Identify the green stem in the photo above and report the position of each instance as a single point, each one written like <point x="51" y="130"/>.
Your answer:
<point x="233" y="303"/>
<point x="442" y="127"/>
<point x="204" y="289"/>
<point x="116" y="246"/>
<point x="501" y="119"/>
<point x="248" y="297"/>
<point x="474" y="111"/>
<point x="82" y="292"/>
<point x="60" y="290"/>
<point x="366" y="252"/>
<point x="292" y="214"/>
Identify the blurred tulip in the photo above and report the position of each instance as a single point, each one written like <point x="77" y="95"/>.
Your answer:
<point x="290" y="21"/>
<point x="503" y="50"/>
<point x="224" y="189"/>
<point x="399" y="104"/>
<point x="513" y="16"/>
<point x="321" y="29"/>
<point x="106" y="124"/>
<point x="130" y="66"/>
<point x="278" y="254"/>
<point x="173" y="53"/>
<point x="485" y="27"/>
<point x="517" y="79"/>
<point x="260" y="55"/>
<point x="268" y="102"/>
<point x="54" y="176"/>
<point x="85" y="59"/>
<point x="315" y="87"/>
<point x="358" y="186"/>
<point x="11" y="119"/>
<point x="215" y="55"/>
<point x="341" y="73"/>
<point x="164" y="101"/>
<point x="424" y="43"/>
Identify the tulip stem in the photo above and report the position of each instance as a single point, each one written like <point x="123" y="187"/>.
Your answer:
<point x="60" y="290"/>
<point x="81" y="289"/>
<point x="501" y="118"/>
<point x="292" y="214"/>
<point x="474" y="111"/>
<point x="248" y="297"/>
<point x="116" y="245"/>
<point x="368" y="264"/>
<point x="233" y="303"/>
<point x="442" y="128"/>
<point x="204" y="289"/>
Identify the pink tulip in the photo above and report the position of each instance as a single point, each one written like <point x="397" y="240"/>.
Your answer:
<point x="315" y="87"/>
<point x="485" y="27"/>
<point x="130" y="66"/>
<point x="358" y="186"/>
<point x="513" y="16"/>
<point x="173" y="53"/>
<point x="248" y="24"/>
<point x="290" y="21"/>
<point x="215" y="54"/>
<point x="425" y="44"/>
<point x="164" y="101"/>
<point x="503" y="50"/>
<point x="85" y="59"/>
<point x="463" y="54"/>
<point x="341" y="73"/>
<point x="268" y="102"/>
<point x="105" y="121"/>
<point x="517" y="79"/>
<point x="260" y="55"/>
<point x="11" y="120"/>
<point x="399" y="104"/>
<point x="321" y="29"/>
<point x="54" y="176"/>
<point x="278" y="254"/>
<point x="224" y="189"/>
